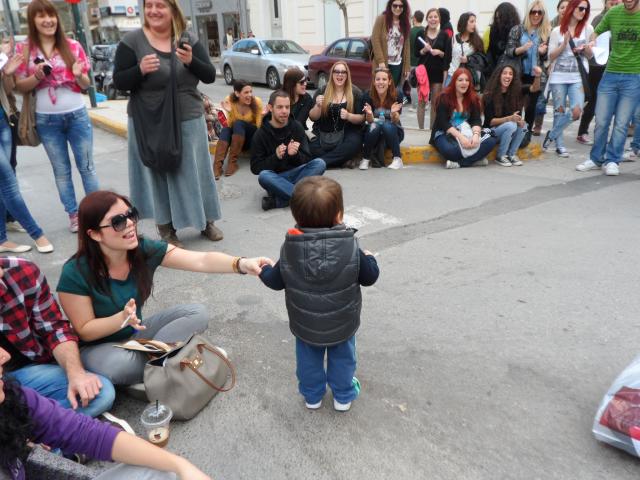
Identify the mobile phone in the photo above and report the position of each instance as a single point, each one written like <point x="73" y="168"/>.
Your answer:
<point x="46" y="69"/>
<point x="184" y="40"/>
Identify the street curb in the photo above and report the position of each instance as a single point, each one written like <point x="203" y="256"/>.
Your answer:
<point x="414" y="155"/>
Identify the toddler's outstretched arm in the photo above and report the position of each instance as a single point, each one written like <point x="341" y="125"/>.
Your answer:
<point x="272" y="277"/>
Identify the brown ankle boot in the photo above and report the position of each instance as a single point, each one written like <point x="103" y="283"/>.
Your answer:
<point x="168" y="234"/>
<point x="218" y="157"/>
<point x="237" y="142"/>
<point x="212" y="232"/>
<point x="537" y="125"/>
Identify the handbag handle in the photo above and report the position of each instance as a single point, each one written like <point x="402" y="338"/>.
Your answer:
<point x="195" y="363"/>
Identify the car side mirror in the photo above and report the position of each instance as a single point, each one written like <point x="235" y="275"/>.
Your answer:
<point x="254" y="51"/>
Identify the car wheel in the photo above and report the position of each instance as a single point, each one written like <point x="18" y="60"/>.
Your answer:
<point x="322" y="80"/>
<point x="228" y="75"/>
<point x="273" y="81"/>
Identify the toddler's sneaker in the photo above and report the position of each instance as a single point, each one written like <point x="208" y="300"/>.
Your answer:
<point x="344" y="407"/>
<point x="611" y="169"/>
<point x="396" y="163"/>
<point x="364" y="164"/>
<point x="451" y="164"/>
<point x="313" y="406"/>
<point x="586" y="166"/>
<point x="515" y="161"/>
<point x="584" y="139"/>
<point x="562" y="152"/>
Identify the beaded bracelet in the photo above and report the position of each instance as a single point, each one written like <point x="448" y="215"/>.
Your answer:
<point x="236" y="265"/>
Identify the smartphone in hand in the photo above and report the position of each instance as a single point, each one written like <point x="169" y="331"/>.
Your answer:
<point x="184" y="40"/>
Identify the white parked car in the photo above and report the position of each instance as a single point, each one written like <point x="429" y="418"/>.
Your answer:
<point x="262" y="61"/>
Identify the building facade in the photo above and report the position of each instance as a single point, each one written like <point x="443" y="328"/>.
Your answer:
<point x="316" y="23"/>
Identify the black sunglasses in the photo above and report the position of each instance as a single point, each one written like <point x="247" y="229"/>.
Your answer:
<point x="119" y="222"/>
<point x="536" y="12"/>
<point x="581" y="9"/>
<point x="303" y="81"/>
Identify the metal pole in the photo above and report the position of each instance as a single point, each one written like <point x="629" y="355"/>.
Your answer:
<point x="83" y="41"/>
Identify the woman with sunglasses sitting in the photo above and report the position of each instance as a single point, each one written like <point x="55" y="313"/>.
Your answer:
<point x="338" y="136"/>
<point x="528" y="43"/>
<point x="104" y="286"/>
<point x="295" y="84"/>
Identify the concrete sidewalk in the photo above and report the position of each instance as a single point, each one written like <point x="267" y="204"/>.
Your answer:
<point x="111" y="116"/>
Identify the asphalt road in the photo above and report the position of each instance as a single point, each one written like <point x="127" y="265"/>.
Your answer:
<point x="507" y="303"/>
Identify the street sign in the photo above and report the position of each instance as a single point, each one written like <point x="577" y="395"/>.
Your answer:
<point x="131" y="12"/>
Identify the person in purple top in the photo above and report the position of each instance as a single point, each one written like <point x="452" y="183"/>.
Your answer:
<point x="26" y="416"/>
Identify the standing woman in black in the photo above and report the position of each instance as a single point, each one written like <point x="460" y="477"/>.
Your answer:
<point x="505" y="18"/>
<point x="432" y="45"/>
<point x="295" y="84"/>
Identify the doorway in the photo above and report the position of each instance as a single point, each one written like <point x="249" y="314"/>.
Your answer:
<point x="208" y="31"/>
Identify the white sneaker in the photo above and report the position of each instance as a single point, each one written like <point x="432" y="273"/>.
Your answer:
<point x="562" y="152"/>
<point x="503" y="161"/>
<point x="15" y="227"/>
<point x="451" y="164"/>
<point x="629" y="156"/>
<point x="586" y="166"/>
<point x="313" y="406"/>
<point x="515" y="161"/>
<point x="611" y="168"/>
<point x="396" y="163"/>
<point x="341" y="407"/>
<point x="364" y="164"/>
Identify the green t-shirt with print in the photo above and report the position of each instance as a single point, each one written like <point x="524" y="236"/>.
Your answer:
<point x="625" y="39"/>
<point x="74" y="279"/>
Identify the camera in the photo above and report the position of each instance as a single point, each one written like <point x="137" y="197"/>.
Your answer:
<point x="46" y="69"/>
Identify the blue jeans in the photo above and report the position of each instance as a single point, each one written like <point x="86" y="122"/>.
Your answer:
<point x="74" y="128"/>
<point x="10" y="197"/>
<point x="510" y="137"/>
<point x="239" y="127"/>
<point x="280" y="185"/>
<point x="50" y="381"/>
<point x="562" y="116"/>
<point x="635" y="142"/>
<point x="392" y="134"/>
<point x="312" y="377"/>
<point x="450" y="150"/>
<point x="618" y="96"/>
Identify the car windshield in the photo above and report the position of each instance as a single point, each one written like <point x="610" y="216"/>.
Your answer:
<point x="281" y="46"/>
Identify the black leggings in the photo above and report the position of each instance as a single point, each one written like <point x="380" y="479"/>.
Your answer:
<point x="595" y="75"/>
<point x="530" y="104"/>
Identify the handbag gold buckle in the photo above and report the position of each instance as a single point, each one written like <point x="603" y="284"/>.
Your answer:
<point x="194" y="364"/>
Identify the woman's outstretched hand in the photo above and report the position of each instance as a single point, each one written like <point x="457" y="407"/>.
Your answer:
<point x="254" y="266"/>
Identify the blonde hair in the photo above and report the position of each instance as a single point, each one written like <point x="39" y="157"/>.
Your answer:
<point x="329" y="91"/>
<point x="430" y="11"/>
<point x="178" y="22"/>
<point x="544" y="29"/>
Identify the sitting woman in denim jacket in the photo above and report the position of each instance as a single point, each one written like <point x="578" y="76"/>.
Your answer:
<point x="382" y="108"/>
<point x="457" y="132"/>
<point x="503" y="102"/>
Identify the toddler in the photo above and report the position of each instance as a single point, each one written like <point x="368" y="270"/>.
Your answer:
<point x="321" y="269"/>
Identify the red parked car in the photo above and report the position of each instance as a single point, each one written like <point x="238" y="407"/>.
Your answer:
<point x="354" y="51"/>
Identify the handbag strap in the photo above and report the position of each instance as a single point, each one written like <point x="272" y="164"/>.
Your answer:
<point x="194" y="367"/>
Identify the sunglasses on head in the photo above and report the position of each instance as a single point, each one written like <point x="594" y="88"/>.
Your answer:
<point x="119" y="222"/>
<point x="536" y="12"/>
<point x="581" y="9"/>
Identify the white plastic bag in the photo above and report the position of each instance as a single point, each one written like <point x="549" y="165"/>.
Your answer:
<point x="617" y="421"/>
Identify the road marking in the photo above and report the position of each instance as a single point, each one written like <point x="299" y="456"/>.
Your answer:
<point x="357" y="217"/>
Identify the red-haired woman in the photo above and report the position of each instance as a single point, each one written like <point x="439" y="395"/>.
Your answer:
<point x="565" y="80"/>
<point x="457" y="133"/>
<point x="382" y="108"/>
<point x="104" y="286"/>
<point x="56" y="68"/>
<point x="390" y="40"/>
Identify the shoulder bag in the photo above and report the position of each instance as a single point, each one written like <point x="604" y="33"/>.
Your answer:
<point x="27" y="133"/>
<point x="158" y="127"/>
<point x="583" y="72"/>
<point x="188" y="377"/>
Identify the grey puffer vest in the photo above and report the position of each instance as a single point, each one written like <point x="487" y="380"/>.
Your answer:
<point x="320" y="271"/>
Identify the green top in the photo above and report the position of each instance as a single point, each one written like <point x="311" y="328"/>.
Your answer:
<point x="625" y="39"/>
<point x="413" y="34"/>
<point x="74" y="279"/>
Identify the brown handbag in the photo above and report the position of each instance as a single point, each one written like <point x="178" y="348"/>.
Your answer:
<point x="188" y="377"/>
<point x="27" y="134"/>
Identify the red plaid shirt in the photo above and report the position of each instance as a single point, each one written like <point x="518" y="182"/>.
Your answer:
<point x="30" y="318"/>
